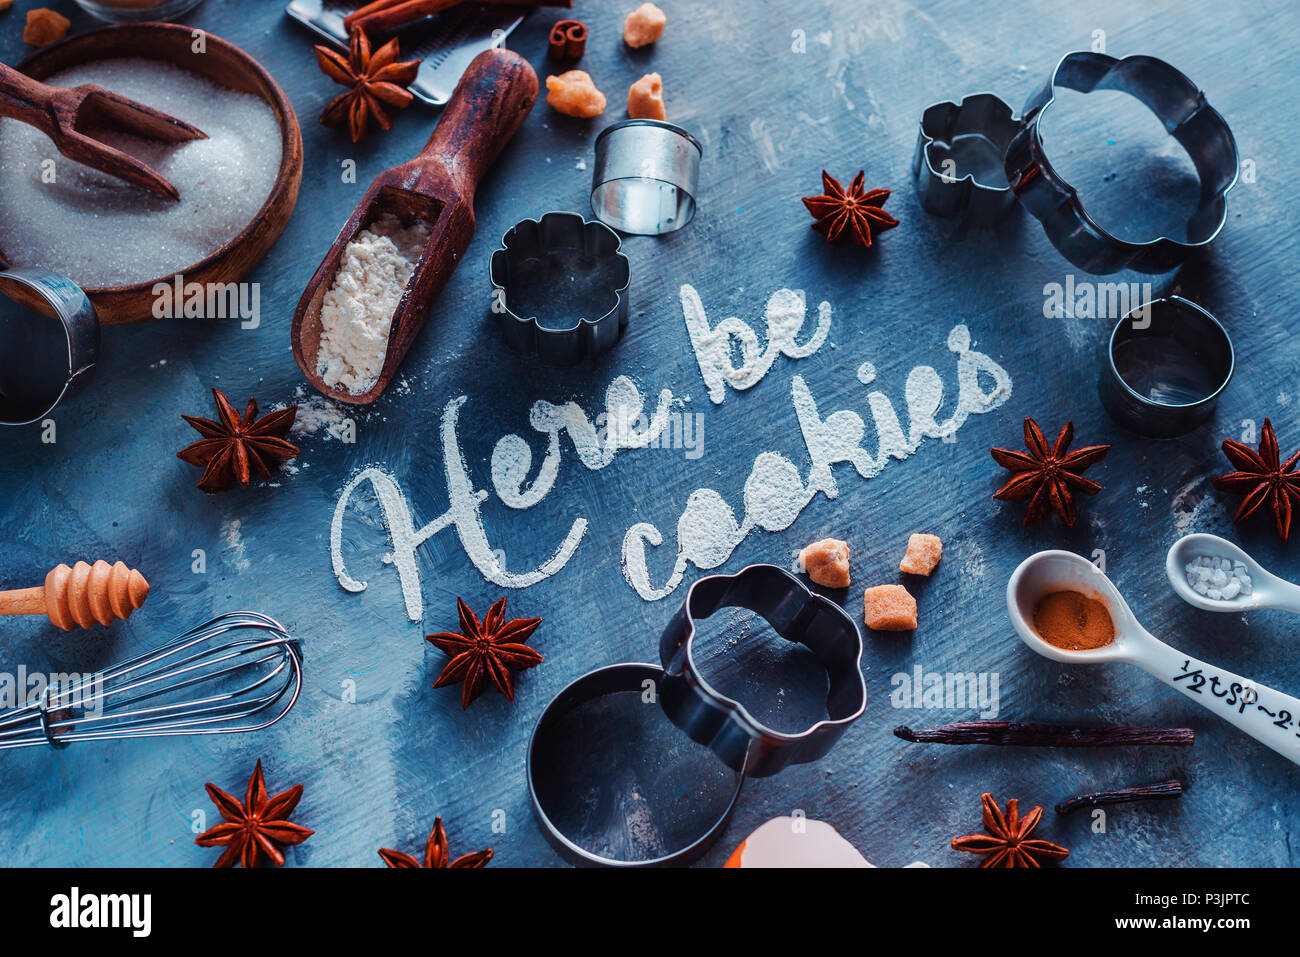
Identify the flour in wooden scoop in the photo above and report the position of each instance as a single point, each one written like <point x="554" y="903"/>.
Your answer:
<point x="101" y="231"/>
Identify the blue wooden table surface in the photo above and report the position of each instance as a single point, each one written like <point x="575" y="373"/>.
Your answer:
<point x="775" y="93"/>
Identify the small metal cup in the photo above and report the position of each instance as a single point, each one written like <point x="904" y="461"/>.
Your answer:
<point x="645" y="177"/>
<point x="49" y="339"/>
<point x="1166" y="364"/>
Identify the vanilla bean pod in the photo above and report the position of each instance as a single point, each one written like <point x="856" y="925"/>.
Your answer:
<point x="1045" y="735"/>
<point x="1164" y="791"/>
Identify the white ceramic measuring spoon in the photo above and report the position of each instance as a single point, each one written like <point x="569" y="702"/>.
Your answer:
<point x="1266" y="589"/>
<point x="1268" y="716"/>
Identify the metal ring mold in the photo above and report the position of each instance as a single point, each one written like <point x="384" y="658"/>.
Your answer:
<point x="42" y="295"/>
<point x="1172" y="97"/>
<point x="628" y="677"/>
<point x="981" y="115"/>
<point x="565" y="246"/>
<point x="797" y="614"/>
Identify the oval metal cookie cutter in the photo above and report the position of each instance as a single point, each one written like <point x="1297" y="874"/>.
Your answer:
<point x="49" y="340"/>
<point x="743" y="742"/>
<point x="561" y="262"/>
<point x="981" y="125"/>
<point x="1188" y="118"/>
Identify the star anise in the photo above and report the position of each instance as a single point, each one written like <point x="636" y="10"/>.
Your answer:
<point x="255" y="829"/>
<point x="856" y="212"/>
<point x="1048" y="474"/>
<point x="375" y="80"/>
<point x="437" y="853"/>
<point x="235" y="448"/>
<point x="1262" y="477"/>
<point x="486" y="652"/>
<point x="1008" y="843"/>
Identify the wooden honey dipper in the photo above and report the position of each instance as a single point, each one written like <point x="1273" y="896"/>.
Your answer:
<point x="81" y="595"/>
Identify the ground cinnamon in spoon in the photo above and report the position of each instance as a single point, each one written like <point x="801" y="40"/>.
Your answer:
<point x="1073" y="621"/>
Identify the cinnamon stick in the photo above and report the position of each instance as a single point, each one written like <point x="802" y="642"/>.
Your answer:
<point x="393" y="16"/>
<point x="1164" y="791"/>
<point x="387" y="15"/>
<point x="1046" y="735"/>
<point x="369" y="8"/>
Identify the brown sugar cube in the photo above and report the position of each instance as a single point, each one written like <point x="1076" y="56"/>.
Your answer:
<point x="574" y="94"/>
<point x="644" y="25"/>
<point x="5" y="5"/>
<point x="645" y="100"/>
<point x="923" y="553"/>
<point x="44" y="27"/>
<point x="827" y="562"/>
<point x="889" y="608"/>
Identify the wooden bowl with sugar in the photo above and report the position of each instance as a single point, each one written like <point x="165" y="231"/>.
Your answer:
<point x="226" y="65"/>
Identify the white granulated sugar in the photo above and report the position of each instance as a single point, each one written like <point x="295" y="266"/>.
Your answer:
<point x="358" y="310"/>
<point x="1218" y="578"/>
<point x="101" y="231"/>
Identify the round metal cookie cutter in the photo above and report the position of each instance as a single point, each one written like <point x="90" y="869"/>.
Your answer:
<point x="743" y="742"/>
<point x="49" y="340"/>
<point x="980" y="125"/>
<point x="543" y="262"/>
<point x="597" y="814"/>
<point x="646" y="177"/>
<point x="1166" y="364"/>
<point x="1183" y="109"/>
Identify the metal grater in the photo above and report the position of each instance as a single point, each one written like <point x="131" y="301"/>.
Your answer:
<point x="444" y="43"/>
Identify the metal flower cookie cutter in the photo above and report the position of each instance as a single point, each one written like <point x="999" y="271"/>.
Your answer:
<point x="1188" y="118"/>
<point x="613" y="783"/>
<point x="49" y="339"/>
<point x="560" y="286"/>
<point x="958" y="161"/>
<point x="797" y="614"/>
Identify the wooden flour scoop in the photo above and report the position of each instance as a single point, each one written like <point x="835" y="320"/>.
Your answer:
<point x="436" y="188"/>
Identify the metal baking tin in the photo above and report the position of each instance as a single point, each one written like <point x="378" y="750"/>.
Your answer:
<point x="40" y="294"/>
<point x="980" y="115"/>
<point x="626" y="677"/>
<point x="646" y="177"/>
<point x="797" y="614"/>
<point x="1174" y="318"/>
<point x="444" y="45"/>
<point x="583" y="242"/>
<point x="1186" y="115"/>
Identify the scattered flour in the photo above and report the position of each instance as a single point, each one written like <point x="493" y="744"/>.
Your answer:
<point x="230" y="534"/>
<point x="358" y="309"/>
<point x="317" y="415"/>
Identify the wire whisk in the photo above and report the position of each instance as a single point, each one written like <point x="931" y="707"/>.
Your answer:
<point x="238" y="672"/>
